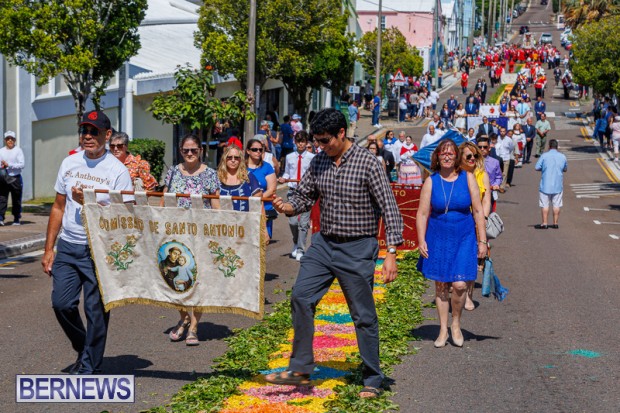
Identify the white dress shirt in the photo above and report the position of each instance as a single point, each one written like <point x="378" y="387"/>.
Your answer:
<point x="504" y="147"/>
<point x="428" y="139"/>
<point x="290" y="170"/>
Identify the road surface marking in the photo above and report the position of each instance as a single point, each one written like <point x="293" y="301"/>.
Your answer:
<point x="612" y="176"/>
<point x="4" y="264"/>
<point x="612" y="236"/>
<point x="597" y="222"/>
<point x="15" y="260"/>
<point x="588" y="209"/>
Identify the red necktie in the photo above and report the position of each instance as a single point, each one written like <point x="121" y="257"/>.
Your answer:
<point x="299" y="168"/>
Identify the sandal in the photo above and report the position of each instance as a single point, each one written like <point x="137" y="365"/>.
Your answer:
<point x="192" y="339"/>
<point x="177" y="333"/>
<point x="371" y="392"/>
<point x="288" y="378"/>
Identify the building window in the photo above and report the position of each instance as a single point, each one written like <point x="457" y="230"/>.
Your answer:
<point x="382" y="22"/>
<point x="44" y="90"/>
<point x="61" y="86"/>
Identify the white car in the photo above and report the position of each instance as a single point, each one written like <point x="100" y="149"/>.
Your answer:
<point x="546" y="38"/>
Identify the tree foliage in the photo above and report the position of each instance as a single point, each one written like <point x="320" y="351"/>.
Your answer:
<point x="596" y="54"/>
<point x="396" y="53"/>
<point x="192" y="102"/>
<point x="85" y="41"/>
<point x="303" y="43"/>
<point x="579" y="13"/>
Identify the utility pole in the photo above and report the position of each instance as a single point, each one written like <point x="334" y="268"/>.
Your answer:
<point x="461" y="30"/>
<point x="438" y="16"/>
<point x="512" y="16"/>
<point x="482" y="22"/>
<point x="490" y="21"/>
<point x="249" y="124"/>
<point x="378" y="63"/>
<point x="472" y="25"/>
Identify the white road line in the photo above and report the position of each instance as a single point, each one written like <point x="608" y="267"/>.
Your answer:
<point x="7" y="268"/>
<point x="26" y="255"/>
<point x="606" y="222"/>
<point x="588" y="196"/>
<point x="588" y="209"/>
<point x="612" y="236"/>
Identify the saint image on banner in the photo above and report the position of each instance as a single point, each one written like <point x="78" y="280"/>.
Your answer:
<point x="177" y="266"/>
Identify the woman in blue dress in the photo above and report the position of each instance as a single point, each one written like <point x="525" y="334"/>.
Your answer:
<point x="265" y="175"/>
<point x="447" y="235"/>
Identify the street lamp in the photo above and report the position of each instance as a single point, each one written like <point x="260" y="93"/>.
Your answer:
<point x="378" y="63"/>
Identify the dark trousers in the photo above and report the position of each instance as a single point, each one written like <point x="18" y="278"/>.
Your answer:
<point x="15" y="188"/>
<point x="528" y="150"/>
<point x="511" y="171"/>
<point x="74" y="270"/>
<point x="353" y="264"/>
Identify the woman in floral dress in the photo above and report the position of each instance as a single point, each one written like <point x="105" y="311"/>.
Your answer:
<point x="191" y="177"/>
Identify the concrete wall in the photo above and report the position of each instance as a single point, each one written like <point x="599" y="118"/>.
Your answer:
<point x="52" y="141"/>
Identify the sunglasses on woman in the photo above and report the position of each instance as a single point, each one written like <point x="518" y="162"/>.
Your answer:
<point x="193" y="151"/>
<point x="116" y="146"/>
<point x="470" y="156"/>
<point x="255" y="149"/>
<point x="233" y="158"/>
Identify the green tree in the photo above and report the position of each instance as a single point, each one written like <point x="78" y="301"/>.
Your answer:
<point x="192" y="103"/>
<point x="596" y="55"/>
<point x="579" y="13"/>
<point x="303" y="43"/>
<point x="396" y="53"/>
<point x="84" y="41"/>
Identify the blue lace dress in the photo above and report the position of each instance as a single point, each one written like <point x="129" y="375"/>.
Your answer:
<point x="450" y="237"/>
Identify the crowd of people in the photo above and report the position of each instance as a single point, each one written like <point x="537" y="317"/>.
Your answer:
<point x="325" y="165"/>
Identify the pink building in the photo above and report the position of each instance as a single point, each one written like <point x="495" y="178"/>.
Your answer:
<point x="414" y="19"/>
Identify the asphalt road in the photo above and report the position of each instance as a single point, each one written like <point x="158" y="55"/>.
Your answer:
<point x="564" y="287"/>
<point x="551" y="346"/>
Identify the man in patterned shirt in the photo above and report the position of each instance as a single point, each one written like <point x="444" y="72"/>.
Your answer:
<point x="353" y="193"/>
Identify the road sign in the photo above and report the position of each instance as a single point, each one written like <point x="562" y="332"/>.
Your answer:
<point x="354" y="89"/>
<point x="399" y="79"/>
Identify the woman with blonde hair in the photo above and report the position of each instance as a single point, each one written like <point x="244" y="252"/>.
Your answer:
<point x="447" y="232"/>
<point x="235" y="179"/>
<point x="472" y="161"/>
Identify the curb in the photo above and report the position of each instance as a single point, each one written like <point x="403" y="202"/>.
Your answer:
<point x="22" y="245"/>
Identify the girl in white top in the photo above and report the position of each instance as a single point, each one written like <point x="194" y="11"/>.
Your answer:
<point x="518" y="137"/>
<point x="460" y="118"/>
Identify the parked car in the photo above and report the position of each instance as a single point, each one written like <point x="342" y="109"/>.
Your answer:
<point x="546" y="38"/>
<point x="543" y="2"/>
<point x="523" y="29"/>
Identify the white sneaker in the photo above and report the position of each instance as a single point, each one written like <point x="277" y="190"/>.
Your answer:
<point x="1" y="223"/>
<point x="376" y="126"/>
<point x="379" y="125"/>
<point x="16" y="223"/>
<point x="299" y="255"/>
<point x="294" y="253"/>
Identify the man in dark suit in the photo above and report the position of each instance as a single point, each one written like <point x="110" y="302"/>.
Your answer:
<point x="471" y="108"/>
<point x="485" y="127"/>
<point x="530" y="134"/>
<point x="483" y="91"/>
<point x="452" y="105"/>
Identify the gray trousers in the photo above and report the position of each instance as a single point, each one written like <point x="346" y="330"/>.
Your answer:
<point x="353" y="264"/>
<point x="299" y="225"/>
<point x="540" y="144"/>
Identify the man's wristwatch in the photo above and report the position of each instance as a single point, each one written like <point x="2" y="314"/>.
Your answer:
<point x="391" y="250"/>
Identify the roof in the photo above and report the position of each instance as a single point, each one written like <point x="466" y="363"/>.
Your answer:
<point x="424" y="6"/>
<point x="167" y="38"/>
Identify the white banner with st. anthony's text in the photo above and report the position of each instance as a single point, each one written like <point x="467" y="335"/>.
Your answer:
<point x="208" y="260"/>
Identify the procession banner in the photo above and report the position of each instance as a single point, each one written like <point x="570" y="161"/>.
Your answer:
<point x="490" y="111"/>
<point x="203" y="259"/>
<point x="408" y="200"/>
<point x="473" y="122"/>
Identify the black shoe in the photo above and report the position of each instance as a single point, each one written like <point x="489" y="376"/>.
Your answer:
<point x="75" y="369"/>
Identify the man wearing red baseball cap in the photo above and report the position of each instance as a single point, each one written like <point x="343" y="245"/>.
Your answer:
<point x="72" y="268"/>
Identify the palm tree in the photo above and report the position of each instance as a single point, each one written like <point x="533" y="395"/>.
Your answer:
<point x="576" y="15"/>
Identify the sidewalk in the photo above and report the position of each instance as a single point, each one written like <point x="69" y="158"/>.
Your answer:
<point x="364" y="125"/>
<point x="30" y="236"/>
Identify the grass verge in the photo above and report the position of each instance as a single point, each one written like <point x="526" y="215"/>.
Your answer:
<point x="249" y="351"/>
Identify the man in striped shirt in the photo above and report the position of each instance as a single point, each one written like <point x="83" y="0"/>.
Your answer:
<point x="353" y="193"/>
